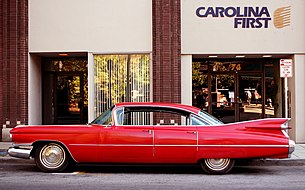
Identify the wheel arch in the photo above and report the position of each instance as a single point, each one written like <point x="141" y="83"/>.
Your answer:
<point x="44" y="142"/>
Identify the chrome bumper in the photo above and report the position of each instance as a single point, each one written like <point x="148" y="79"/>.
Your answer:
<point x="291" y="148"/>
<point x="20" y="151"/>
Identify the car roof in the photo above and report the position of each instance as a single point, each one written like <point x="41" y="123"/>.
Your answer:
<point x="159" y="104"/>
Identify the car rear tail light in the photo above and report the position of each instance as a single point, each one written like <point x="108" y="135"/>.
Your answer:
<point x="285" y="126"/>
<point x="291" y="147"/>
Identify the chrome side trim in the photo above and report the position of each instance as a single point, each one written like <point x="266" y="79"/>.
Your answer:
<point x="20" y="152"/>
<point x="250" y="146"/>
<point x="174" y="145"/>
<point x="138" y="145"/>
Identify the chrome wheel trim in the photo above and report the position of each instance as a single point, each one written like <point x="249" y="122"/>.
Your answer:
<point x="217" y="164"/>
<point x="52" y="156"/>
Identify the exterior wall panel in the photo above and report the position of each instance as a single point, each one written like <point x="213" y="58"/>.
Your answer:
<point x="14" y="59"/>
<point x="166" y="51"/>
<point x="99" y="26"/>
<point x="216" y="33"/>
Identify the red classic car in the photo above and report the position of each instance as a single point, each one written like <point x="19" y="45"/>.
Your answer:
<point x="152" y="133"/>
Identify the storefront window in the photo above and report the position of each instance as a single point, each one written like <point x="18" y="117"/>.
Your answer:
<point x="237" y="90"/>
<point x="65" y="64"/>
<point x="120" y="78"/>
<point x="200" y="85"/>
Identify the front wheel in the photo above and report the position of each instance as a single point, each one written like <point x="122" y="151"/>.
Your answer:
<point x="51" y="157"/>
<point x="217" y="165"/>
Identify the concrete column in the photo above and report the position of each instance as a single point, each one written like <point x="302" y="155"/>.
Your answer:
<point x="91" y="89"/>
<point x="186" y="79"/>
<point x="35" y="91"/>
<point x="297" y="88"/>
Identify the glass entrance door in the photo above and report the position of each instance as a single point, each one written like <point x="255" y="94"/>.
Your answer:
<point x="68" y="101"/>
<point x="223" y="97"/>
<point x="251" y="96"/>
<point x="64" y="90"/>
<point x="236" y="97"/>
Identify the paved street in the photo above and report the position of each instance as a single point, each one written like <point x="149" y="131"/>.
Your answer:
<point x="260" y="174"/>
<point x="25" y="175"/>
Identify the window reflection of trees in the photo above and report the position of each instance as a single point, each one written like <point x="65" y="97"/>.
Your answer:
<point x="120" y="78"/>
<point x="70" y="85"/>
<point x="223" y="82"/>
<point x="199" y="79"/>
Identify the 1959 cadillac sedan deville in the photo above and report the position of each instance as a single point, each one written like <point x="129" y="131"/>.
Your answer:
<point x="152" y="133"/>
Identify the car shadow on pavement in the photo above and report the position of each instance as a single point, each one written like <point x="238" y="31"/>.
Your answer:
<point x="160" y="169"/>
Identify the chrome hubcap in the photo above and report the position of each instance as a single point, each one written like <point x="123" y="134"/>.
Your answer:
<point x="52" y="156"/>
<point x="217" y="164"/>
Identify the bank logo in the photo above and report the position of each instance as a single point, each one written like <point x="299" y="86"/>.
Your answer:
<point x="281" y="17"/>
<point x="248" y="17"/>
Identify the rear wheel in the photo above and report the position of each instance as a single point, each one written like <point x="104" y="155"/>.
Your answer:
<point x="217" y="165"/>
<point x="51" y="157"/>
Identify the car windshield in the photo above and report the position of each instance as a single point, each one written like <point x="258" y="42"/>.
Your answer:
<point x="104" y="118"/>
<point x="211" y="119"/>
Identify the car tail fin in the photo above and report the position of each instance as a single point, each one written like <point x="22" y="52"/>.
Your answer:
<point x="274" y="123"/>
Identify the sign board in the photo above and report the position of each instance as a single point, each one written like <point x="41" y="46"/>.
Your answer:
<point x="286" y="68"/>
<point x="265" y="26"/>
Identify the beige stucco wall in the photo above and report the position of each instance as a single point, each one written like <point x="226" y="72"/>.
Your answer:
<point x="90" y="26"/>
<point x="217" y="35"/>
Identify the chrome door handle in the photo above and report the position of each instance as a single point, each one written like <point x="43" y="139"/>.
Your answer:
<point x="149" y="131"/>
<point x="191" y="132"/>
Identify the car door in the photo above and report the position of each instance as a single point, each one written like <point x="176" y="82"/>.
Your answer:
<point x="126" y="143"/>
<point x="175" y="144"/>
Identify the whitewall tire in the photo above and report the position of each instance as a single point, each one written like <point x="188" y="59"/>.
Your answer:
<point x="51" y="157"/>
<point x="217" y="165"/>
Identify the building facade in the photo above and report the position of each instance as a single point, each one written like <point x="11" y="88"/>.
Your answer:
<point x="67" y="61"/>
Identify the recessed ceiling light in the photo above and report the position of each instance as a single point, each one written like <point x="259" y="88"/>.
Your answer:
<point x="267" y="55"/>
<point x="63" y="54"/>
<point x="239" y="56"/>
<point x="213" y="56"/>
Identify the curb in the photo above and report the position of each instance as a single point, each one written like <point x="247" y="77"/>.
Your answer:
<point x="271" y="162"/>
<point x="5" y="158"/>
<point x="11" y="160"/>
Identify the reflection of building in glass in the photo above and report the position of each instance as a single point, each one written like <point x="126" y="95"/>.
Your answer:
<point x="239" y="94"/>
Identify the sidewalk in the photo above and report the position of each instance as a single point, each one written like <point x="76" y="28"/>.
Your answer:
<point x="297" y="158"/>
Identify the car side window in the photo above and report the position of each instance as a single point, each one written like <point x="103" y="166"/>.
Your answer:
<point x="157" y="116"/>
<point x="119" y="116"/>
<point x="136" y="117"/>
<point x="104" y="119"/>
<point x="197" y="121"/>
<point x="209" y="118"/>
